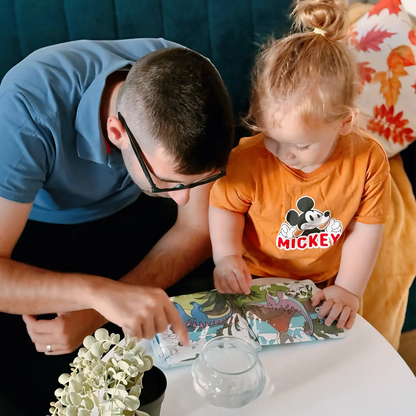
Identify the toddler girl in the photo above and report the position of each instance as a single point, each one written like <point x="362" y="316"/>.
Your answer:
<point x="307" y="197"/>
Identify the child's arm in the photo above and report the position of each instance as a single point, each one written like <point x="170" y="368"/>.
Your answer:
<point x="231" y="274"/>
<point x="359" y="255"/>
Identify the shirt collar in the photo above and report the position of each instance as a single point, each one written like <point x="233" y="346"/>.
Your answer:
<point x="90" y="139"/>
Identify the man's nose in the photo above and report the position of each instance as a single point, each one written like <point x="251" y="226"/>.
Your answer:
<point x="181" y="197"/>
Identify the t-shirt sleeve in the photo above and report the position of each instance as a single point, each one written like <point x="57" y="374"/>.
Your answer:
<point x="23" y="154"/>
<point x="375" y="201"/>
<point x="235" y="191"/>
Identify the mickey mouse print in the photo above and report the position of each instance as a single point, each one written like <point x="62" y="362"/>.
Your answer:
<point x="308" y="227"/>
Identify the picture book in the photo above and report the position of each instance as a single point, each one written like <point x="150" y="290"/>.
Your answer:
<point x="277" y="311"/>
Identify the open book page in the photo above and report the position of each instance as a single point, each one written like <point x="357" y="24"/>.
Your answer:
<point x="280" y="311"/>
<point x="206" y="315"/>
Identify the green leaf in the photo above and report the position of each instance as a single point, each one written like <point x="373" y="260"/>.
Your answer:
<point x="135" y="391"/>
<point x="81" y="352"/>
<point x="84" y="412"/>
<point x="123" y="365"/>
<point x="75" y="398"/>
<point x="71" y="411"/>
<point x="132" y="402"/>
<point x="98" y="370"/>
<point x="96" y="349"/>
<point x="88" y="341"/>
<point x="133" y="371"/>
<point x="75" y="385"/>
<point x="88" y="403"/>
<point x="138" y="350"/>
<point x="101" y="334"/>
<point x="121" y="375"/>
<point x="58" y="392"/>
<point x="64" y="400"/>
<point x="119" y="404"/>
<point x="64" y="378"/>
<point x="132" y="343"/>
<point x="120" y="392"/>
<point x="148" y="362"/>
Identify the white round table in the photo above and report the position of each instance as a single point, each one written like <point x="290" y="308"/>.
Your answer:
<point x="360" y="374"/>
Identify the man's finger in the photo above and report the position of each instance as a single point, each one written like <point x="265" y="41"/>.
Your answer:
<point x="45" y="338"/>
<point x="56" y="349"/>
<point x="41" y="326"/>
<point x="29" y="319"/>
<point x="175" y="320"/>
<point x="351" y="319"/>
<point x="161" y="323"/>
<point x="148" y="328"/>
<point x="318" y="297"/>
<point x="344" y="316"/>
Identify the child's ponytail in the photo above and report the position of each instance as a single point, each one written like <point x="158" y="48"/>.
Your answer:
<point x="326" y="17"/>
<point x="312" y="72"/>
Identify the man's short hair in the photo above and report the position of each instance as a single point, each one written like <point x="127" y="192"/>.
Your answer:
<point x="175" y="99"/>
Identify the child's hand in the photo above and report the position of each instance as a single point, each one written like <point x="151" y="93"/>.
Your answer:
<point x="339" y="303"/>
<point x="231" y="275"/>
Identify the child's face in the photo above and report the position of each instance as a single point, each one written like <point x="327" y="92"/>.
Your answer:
<point x="299" y="146"/>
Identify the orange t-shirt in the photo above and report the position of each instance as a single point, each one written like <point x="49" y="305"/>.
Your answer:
<point x="295" y="221"/>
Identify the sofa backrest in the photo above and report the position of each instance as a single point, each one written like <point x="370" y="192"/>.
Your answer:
<point x="228" y="32"/>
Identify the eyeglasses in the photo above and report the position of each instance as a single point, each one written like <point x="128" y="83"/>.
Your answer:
<point x="180" y="186"/>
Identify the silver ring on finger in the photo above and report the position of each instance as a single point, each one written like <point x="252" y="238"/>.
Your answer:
<point x="49" y="348"/>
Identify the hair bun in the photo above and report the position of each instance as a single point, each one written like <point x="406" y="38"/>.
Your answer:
<point x="327" y="15"/>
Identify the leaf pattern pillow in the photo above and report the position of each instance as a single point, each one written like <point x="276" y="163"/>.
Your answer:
<point x="384" y="43"/>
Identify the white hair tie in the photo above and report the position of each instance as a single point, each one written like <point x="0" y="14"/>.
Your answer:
<point x="320" y="31"/>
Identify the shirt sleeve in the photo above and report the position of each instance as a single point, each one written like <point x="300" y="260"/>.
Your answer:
<point x="375" y="201"/>
<point x="235" y="191"/>
<point x="23" y="154"/>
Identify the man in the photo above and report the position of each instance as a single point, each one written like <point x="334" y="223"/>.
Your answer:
<point x="85" y="131"/>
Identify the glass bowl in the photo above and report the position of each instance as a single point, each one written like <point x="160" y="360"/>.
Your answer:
<point x="228" y="372"/>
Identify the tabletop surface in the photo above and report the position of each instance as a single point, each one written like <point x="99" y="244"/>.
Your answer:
<point x="360" y="374"/>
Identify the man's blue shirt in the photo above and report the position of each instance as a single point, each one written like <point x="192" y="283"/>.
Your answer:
<point x="52" y="149"/>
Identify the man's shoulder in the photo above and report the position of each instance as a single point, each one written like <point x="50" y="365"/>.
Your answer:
<point x="77" y="60"/>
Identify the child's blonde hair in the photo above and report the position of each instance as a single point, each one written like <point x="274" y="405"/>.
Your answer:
<point x="312" y="72"/>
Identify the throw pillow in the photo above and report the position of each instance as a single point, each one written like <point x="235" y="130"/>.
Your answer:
<point x="384" y="42"/>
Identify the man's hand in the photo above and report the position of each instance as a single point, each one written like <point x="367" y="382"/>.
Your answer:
<point x="231" y="275"/>
<point x="339" y="304"/>
<point x="65" y="333"/>
<point x="141" y="312"/>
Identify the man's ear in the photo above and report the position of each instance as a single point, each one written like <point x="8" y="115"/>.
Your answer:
<point x="348" y="123"/>
<point x="116" y="133"/>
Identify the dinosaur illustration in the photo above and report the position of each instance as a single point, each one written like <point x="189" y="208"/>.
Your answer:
<point x="289" y="305"/>
<point x="199" y="318"/>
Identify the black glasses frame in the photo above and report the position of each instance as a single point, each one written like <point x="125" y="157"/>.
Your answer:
<point x="180" y="186"/>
